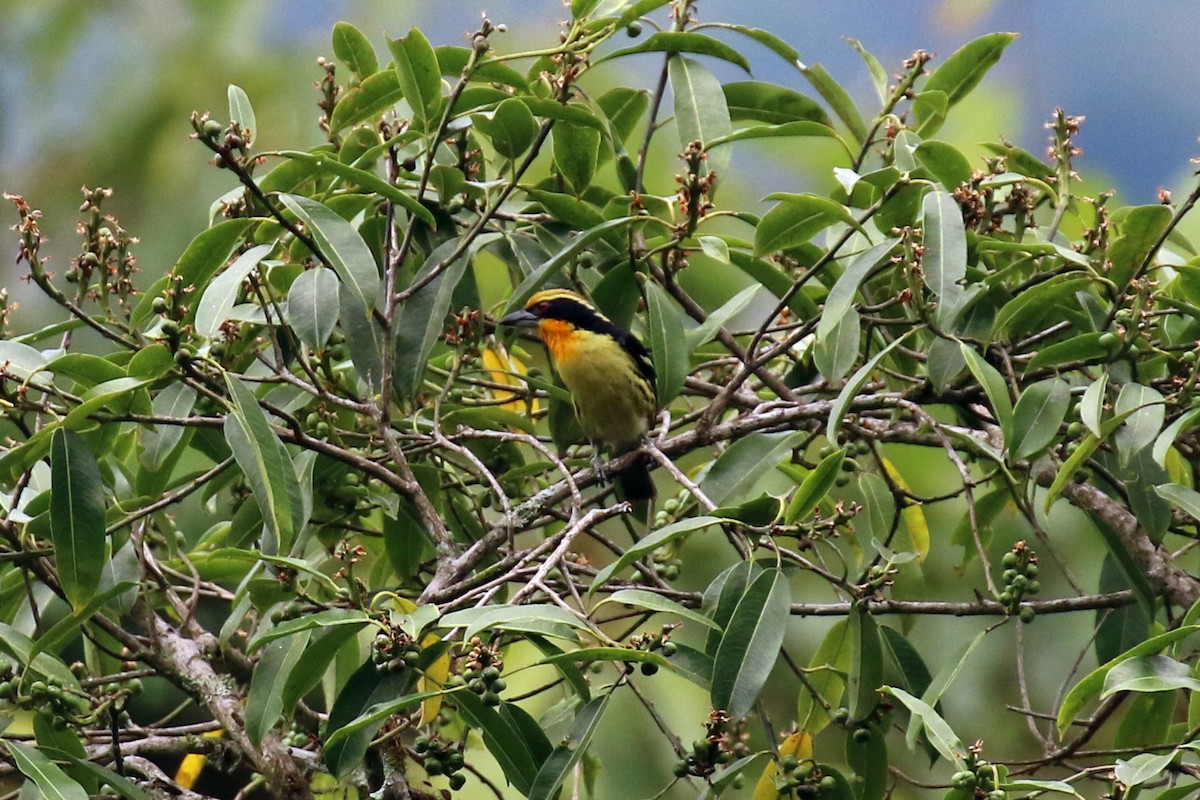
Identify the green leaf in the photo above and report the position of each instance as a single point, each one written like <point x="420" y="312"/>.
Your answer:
<point x="879" y="75"/>
<point x="1091" y="405"/>
<point x="908" y="662"/>
<point x="419" y="77"/>
<point x="938" y="686"/>
<point x="421" y="318"/>
<point x="776" y="131"/>
<point x="265" y="463"/>
<point x="569" y="750"/>
<point x="767" y="102"/>
<point x="509" y="618"/>
<point x="842" y="403"/>
<point x="866" y="663"/>
<point x="503" y="739"/>
<point x="354" y="50"/>
<point x="579" y="242"/>
<point x="1082" y="453"/>
<point x="1156" y="673"/>
<point x="1167" y="438"/>
<point x="341" y="245"/>
<point x="1145" y="411"/>
<point x="869" y="760"/>
<point x="944" y="265"/>
<point x="576" y="151"/>
<point x="1084" y="347"/>
<point x="668" y="343"/>
<point x="50" y="780"/>
<point x="1143" y="767"/>
<point x="1039" y="412"/>
<point x="367" y="180"/>
<point x="751" y="643"/>
<point x="365" y="688"/>
<point x="1019" y="315"/>
<point x="453" y="60"/>
<point x="1183" y="498"/>
<point x="681" y="42"/>
<point x="946" y="164"/>
<point x="701" y="114"/>
<point x="649" y="544"/>
<point x="964" y="69"/>
<point x="826" y="677"/>
<point x="767" y="39"/>
<point x="312" y="307"/>
<point x="705" y="331"/>
<point x="330" y="618"/>
<point x="372" y="97"/>
<point x="815" y="486"/>
<point x="364" y="339"/>
<point x="722" y="596"/>
<point x="264" y="703"/>
<point x="374" y="715"/>
<point x="841" y="296"/>
<point x="795" y="220"/>
<point x="1092" y="683"/>
<point x="656" y="602"/>
<point x="835" y="354"/>
<point x="993" y="386"/>
<point x="736" y="473"/>
<point x="941" y="735"/>
<point x="174" y="402"/>
<point x="219" y="298"/>
<point x="76" y="517"/>
<point x="241" y="112"/>
<point x="124" y="786"/>
<point x="1140" y="228"/>
<point x="206" y="254"/>
<point x="511" y="128"/>
<point x="58" y="634"/>
<point x="837" y="98"/>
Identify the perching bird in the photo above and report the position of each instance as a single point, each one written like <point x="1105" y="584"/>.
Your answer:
<point x="606" y="370"/>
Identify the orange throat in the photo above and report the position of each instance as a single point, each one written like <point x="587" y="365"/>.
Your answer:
<point x="558" y="336"/>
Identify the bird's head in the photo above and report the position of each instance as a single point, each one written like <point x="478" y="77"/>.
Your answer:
<point x="554" y="310"/>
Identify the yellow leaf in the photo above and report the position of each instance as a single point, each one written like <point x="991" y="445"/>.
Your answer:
<point x="193" y="764"/>
<point x="800" y="745"/>
<point x="503" y="368"/>
<point x="912" y="513"/>
<point x="434" y="678"/>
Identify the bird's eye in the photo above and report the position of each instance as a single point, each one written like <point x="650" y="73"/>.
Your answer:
<point x="542" y="307"/>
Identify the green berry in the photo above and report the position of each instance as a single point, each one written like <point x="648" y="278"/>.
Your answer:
<point x="862" y="735"/>
<point x="649" y="668"/>
<point x="1009" y="560"/>
<point x="491" y="699"/>
<point x="457" y="781"/>
<point x="1027" y="614"/>
<point x="434" y="766"/>
<point x="499" y="685"/>
<point x="633" y="29"/>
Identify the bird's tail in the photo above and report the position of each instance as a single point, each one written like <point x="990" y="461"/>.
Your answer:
<point x="636" y="486"/>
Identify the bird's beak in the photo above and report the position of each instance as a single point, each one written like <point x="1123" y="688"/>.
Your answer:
<point x="520" y="319"/>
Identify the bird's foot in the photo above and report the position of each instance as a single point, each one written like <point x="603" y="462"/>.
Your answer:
<point x="598" y="467"/>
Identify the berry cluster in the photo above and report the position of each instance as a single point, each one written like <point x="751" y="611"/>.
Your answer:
<point x="394" y="650"/>
<point x="651" y="642"/>
<point x="862" y="730"/>
<point x="482" y="672"/>
<point x="442" y="758"/>
<point x="1020" y="580"/>
<point x="980" y="779"/>
<point x="724" y="741"/>
<point x="804" y="779"/>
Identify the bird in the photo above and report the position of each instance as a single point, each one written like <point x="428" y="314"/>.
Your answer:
<point x="608" y="373"/>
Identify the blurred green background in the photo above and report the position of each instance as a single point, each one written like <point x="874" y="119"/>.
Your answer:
<point x="100" y="93"/>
